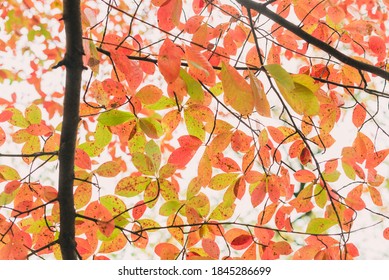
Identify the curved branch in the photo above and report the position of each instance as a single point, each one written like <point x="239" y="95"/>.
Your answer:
<point x="261" y="8"/>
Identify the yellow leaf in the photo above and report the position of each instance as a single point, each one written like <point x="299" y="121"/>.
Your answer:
<point x="237" y="92"/>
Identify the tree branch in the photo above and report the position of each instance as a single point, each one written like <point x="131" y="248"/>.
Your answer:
<point x="261" y="8"/>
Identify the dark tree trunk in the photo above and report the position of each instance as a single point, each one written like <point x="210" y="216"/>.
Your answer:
<point x="74" y="67"/>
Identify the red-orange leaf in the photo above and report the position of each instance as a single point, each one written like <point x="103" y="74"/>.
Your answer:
<point x="181" y="156"/>
<point x="378" y="46"/>
<point x="169" y="14"/>
<point x="304" y="176"/>
<point x="39" y="129"/>
<point x="354" y="200"/>
<point x="166" y="251"/>
<point x="386" y="233"/>
<point x="138" y="210"/>
<point x="82" y="159"/>
<point x="169" y="60"/>
<point x="211" y="248"/>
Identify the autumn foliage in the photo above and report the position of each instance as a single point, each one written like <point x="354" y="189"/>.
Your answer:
<point x="207" y="130"/>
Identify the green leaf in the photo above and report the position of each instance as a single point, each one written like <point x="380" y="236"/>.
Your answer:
<point x="170" y="207"/>
<point x="143" y="163"/>
<point x="33" y="114"/>
<point x="221" y="181"/>
<point x="195" y="90"/>
<point x="168" y="190"/>
<point x="137" y="142"/>
<point x="102" y="135"/>
<point x="91" y="148"/>
<point x="319" y="225"/>
<point x="320" y="196"/>
<point x="114" y="205"/>
<point x="148" y="224"/>
<point x="302" y="97"/>
<point x="222" y="212"/>
<point x="153" y="152"/>
<point x="17" y="118"/>
<point x="114" y="117"/>
<point x="163" y="103"/>
<point x="132" y="185"/>
<point x="194" y="126"/>
<point x="281" y="76"/>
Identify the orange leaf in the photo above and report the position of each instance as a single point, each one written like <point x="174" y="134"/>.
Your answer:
<point x="261" y="103"/>
<point x="375" y="196"/>
<point x="282" y="248"/>
<point x="374" y="159"/>
<point x="39" y="129"/>
<point x="304" y="176"/>
<point x="359" y="115"/>
<point x="265" y="216"/>
<point x="166" y="251"/>
<point x="258" y="194"/>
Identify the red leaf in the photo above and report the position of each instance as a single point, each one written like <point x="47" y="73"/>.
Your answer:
<point x="238" y="238"/>
<point x="354" y="200"/>
<point x="199" y="66"/>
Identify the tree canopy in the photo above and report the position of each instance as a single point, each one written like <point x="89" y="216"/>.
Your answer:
<point x="204" y="129"/>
